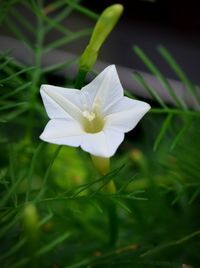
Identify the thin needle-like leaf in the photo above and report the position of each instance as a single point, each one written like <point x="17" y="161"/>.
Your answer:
<point x="138" y="77"/>
<point x="5" y="63"/>
<point x="24" y="21"/>
<point x="163" y="130"/>
<point x="14" y="29"/>
<point x="31" y="170"/>
<point x="179" y="102"/>
<point x="17" y="90"/>
<point x="174" y="111"/>
<point x="59" y="66"/>
<point x="82" y="10"/>
<point x="180" y="134"/>
<point x="12" y="105"/>
<point x="42" y="190"/>
<point x="67" y="39"/>
<point x="179" y="72"/>
<point x="13" y="249"/>
<point x="49" y="247"/>
<point x="12" y="190"/>
<point x="5" y="228"/>
<point x="17" y="74"/>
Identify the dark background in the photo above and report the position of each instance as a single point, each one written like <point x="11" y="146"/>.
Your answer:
<point x="147" y="23"/>
<point x="174" y="24"/>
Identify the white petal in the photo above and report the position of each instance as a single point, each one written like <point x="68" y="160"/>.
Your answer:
<point x="61" y="102"/>
<point x="63" y="132"/>
<point x="104" y="143"/>
<point x="103" y="91"/>
<point x="125" y="114"/>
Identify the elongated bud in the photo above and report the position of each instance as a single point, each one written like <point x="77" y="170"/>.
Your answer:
<point x="30" y="221"/>
<point x="103" y="27"/>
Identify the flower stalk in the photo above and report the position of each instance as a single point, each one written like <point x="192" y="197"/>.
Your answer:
<point x="102" y="165"/>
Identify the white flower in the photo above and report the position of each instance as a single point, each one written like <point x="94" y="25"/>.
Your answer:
<point x="94" y="118"/>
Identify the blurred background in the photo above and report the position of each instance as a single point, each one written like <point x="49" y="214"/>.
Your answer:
<point x="156" y="169"/>
<point x="147" y="23"/>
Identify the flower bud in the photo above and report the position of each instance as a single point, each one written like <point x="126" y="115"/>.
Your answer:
<point x="103" y="27"/>
<point x="31" y="221"/>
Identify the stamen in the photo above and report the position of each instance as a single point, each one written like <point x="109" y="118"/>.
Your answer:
<point x="92" y="122"/>
<point x="89" y="115"/>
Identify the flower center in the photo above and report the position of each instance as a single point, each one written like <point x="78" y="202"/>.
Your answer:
<point x="92" y="122"/>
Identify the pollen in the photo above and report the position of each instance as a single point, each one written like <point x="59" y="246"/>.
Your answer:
<point x="92" y="122"/>
<point x="90" y="116"/>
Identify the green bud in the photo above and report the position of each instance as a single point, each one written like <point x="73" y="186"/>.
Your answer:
<point x="31" y="221"/>
<point x="103" y="27"/>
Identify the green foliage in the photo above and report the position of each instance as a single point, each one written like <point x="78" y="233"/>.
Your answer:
<point x="156" y="221"/>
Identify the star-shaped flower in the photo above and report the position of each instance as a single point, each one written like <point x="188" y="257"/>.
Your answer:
<point x="94" y="118"/>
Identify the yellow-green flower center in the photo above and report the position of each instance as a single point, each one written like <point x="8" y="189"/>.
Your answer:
<point x="92" y="122"/>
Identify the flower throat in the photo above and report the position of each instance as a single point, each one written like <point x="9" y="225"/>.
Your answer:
<point x="92" y="122"/>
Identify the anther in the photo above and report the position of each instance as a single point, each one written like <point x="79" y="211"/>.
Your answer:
<point x="89" y="115"/>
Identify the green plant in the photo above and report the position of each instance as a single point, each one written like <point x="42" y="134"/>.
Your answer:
<point x="156" y="174"/>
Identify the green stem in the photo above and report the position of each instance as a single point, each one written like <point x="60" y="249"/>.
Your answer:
<point x="103" y="167"/>
<point x="80" y="78"/>
<point x="36" y="75"/>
